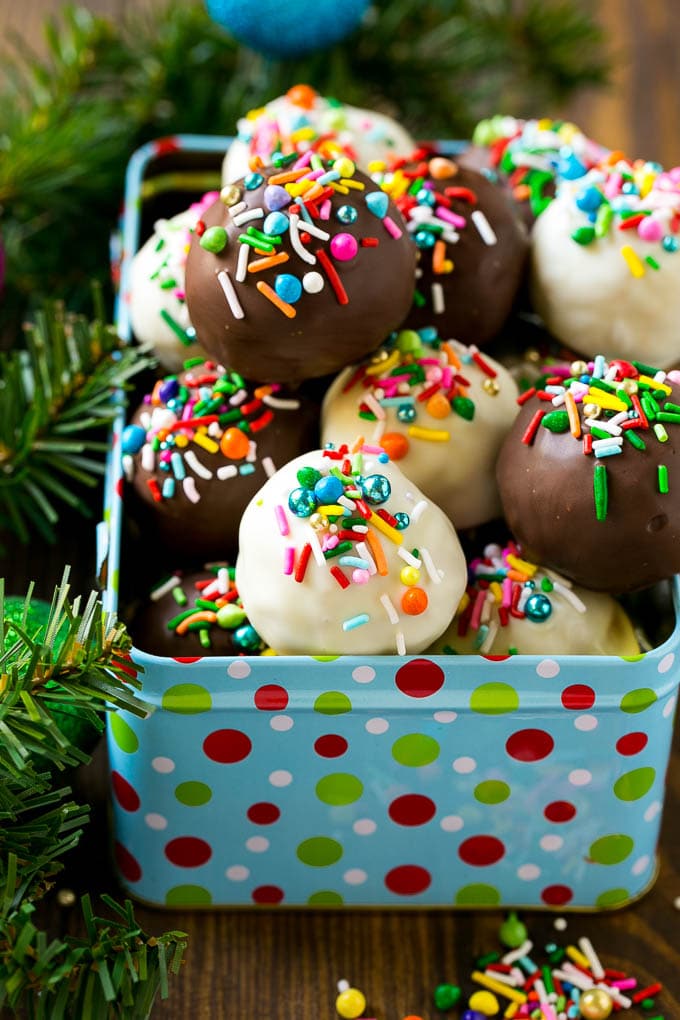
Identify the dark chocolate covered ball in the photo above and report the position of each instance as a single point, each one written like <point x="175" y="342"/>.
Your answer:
<point x="591" y="486"/>
<point x="294" y="274"/>
<point x="472" y="247"/>
<point x="198" y="449"/>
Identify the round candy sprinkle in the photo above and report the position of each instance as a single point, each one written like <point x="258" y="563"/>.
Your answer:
<point x="414" y="601"/>
<point x="409" y="576"/>
<point x="350" y="1003"/>
<point x="230" y="616"/>
<point x="347" y="214"/>
<point x="446" y="996"/>
<point x="132" y="439"/>
<point x="376" y="489"/>
<point x="512" y="932"/>
<point x="538" y="608"/>
<point x="214" y="239"/>
<point x="276" y="197"/>
<point x="403" y="520"/>
<point x="308" y="477"/>
<point x="302" y="502"/>
<point x="276" y="223"/>
<point x="312" y="283"/>
<point x="595" y="1004"/>
<point x="344" y="247"/>
<point x="328" y="489"/>
<point x="246" y="638"/>
<point x="253" y="181"/>
<point x="234" y="444"/>
<point x="288" y="288"/>
<point x="484" y="1002"/>
<point x="344" y="166"/>
<point x="230" y="194"/>
<point x="406" y="413"/>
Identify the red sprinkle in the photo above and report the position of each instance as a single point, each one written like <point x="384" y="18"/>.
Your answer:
<point x="465" y="194"/>
<point x="354" y="379"/>
<point x="155" y="490"/>
<point x="261" y="422"/>
<point x="631" y="221"/>
<point x="484" y="365"/>
<point x="648" y="992"/>
<point x="252" y="405"/>
<point x="200" y="229"/>
<point x="532" y="428"/>
<point x="587" y="443"/>
<point x="640" y="413"/>
<point x="429" y="392"/>
<point x="302" y="562"/>
<point x="387" y="517"/>
<point x="363" y="509"/>
<point x="369" y="242"/>
<point x="342" y="580"/>
<point x="527" y="395"/>
<point x="333" y="278"/>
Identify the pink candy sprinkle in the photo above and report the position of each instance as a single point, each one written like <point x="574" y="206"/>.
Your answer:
<point x="344" y="247"/>
<point x="650" y="229"/>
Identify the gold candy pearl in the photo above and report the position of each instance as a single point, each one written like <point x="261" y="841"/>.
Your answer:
<point x="230" y="194"/>
<point x="578" y="368"/>
<point x="628" y="386"/>
<point x="592" y="410"/>
<point x="66" y="897"/>
<point x="491" y="387"/>
<point x="532" y="356"/>
<point x="595" y="1004"/>
<point x="318" y="522"/>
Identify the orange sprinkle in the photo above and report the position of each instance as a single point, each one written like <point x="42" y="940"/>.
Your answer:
<point x="255" y="162"/>
<point x="572" y="412"/>
<point x="155" y="395"/>
<point x="451" y="355"/>
<point x="204" y="615"/>
<point x="314" y="192"/>
<point x="518" y="575"/>
<point x="288" y="176"/>
<point x="438" y="406"/>
<point x="615" y="157"/>
<point x="262" y="391"/>
<point x="234" y="444"/>
<point x="438" y="254"/>
<point x="378" y="552"/>
<point x="272" y="296"/>
<point x="302" y="95"/>
<point x="358" y="443"/>
<point x="521" y="192"/>
<point x="396" y="445"/>
<point x="266" y="263"/>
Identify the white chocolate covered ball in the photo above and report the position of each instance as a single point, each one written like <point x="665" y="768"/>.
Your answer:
<point x="372" y="568"/>
<point x="447" y="443"/>
<point x="603" y="286"/>
<point x="301" y="120"/>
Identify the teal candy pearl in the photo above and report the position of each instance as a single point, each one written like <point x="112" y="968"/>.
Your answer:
<point x="406" y="413"/>
<point x="669" y="243"/>
<point x="376" y="489"/>
<point x="403" y="520"/>
<point x="247" y="639"/>
<point x="347" y="214"/>
<point x="538" y="608"/>
<point x="252" y="181"/>
<point x="302" y="502"/>
<point x="424" y="239"/>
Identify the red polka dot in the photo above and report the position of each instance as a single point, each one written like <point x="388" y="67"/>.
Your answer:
<point x="559" y="811"/>
<point x="271" y="698"/>
<point x="419" y="678"/>
<point x="496" y="658"/>
<point x="331" y="745"/>
<point x="481" y="850"/>
<point x="128" y="865"/>
<point x="557" y="895"/>
<point x="125" y="794"/>
<point x="529" y="745"/>
<point x="412" y="809"/>
<point x="408" y="880"/>
<point x="631" y="743"/>
<point x="188" y="851"/>
<point x="187" y="659"/>
<point x="267" y="894"/>
<point x="578" y="697"/>
<point x="227" y="746"/>
<point x="263" y="813"/>
<point x="119" y="488"/>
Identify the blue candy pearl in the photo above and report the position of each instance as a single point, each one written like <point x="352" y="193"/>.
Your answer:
<point x="403" y="520"/>
<point x="376" y="488"/>
<point x="252" y="181"/>
<point x="246" y="638"/>
<point x="168" y="389"/>
<point x="424" y="239"/>
<point x="426" y="197"/>
<point x="538" y="608"/>
<point x="569" y="165"/>
<point x="406" y="412"/>
<point x="629" y="188"/>
<point x="276" y="223"/>
<point x="302" y="502"/>
<point x="288" y="287"/>
<point x="328" y="489"/>
<point x="428" y="334"/>
<point x="669" y="243"/>
<point x="347" y="214"/>
<point x="132" y="439"/>
<point x="589" y="199"/>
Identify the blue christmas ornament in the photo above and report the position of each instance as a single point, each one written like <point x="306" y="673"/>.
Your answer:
<point x="281" y="29"/>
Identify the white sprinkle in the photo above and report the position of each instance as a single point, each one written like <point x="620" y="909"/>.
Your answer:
<point x="148" y="459"/>
<point x="280" y="404"/>
<point x="558" y="579"/>
<point x="484" y="228"/>
<point x="346" y="502"/>
<point x="251" y="456"/>
<point x="586" y="947"/>
<point x="228" y="471"/>
<point x="507" y="979"/>
<point x="164" y="588"/>
<point x="558" y="399"/>
<point x="401" y="643"/>
<point x="242" y="264"/>
<point x="392" y="614"/>
<point x="268" y="466"/>
<point x="238" y="398"/>
<point x="410" y="559"/>
<point x="364" y="552"/>
<point x="540" y="988"/>
<point x="374" y="406"/>
<point x="128" y="466"/>
<point x="489" y="639"/>
<point x="227" y="286"/>
<point x="607" y="444"/>
<point x="315" y="231"/>
<point x="485" y="615"/>
<point x="343" y="985"/>
<point x="214" y="430"/>
<point x="432" y="571"/>
<point x="212" y="589"/>
<point x="223" y="580"/>
<point x="379" y="430"/>
<point x="569" y="596"/>
<point x="618" y="997"/>
<point x="297" y="244"/>
<point x="517" y="954"/>
<point x="437" y="299"/>
<point x="190" y="491"/>
<point x="194" y="463"/>
<point x="317" y="551"/>
<point x="145" y="420"/>
<point x="419" y="509"/>
<point x="247" y="215"/>
<point x="523" y="598"/>
<point x="606" y="426"/>
<point x="234" y="210"/>
<point x="616" y="420"/>
<point x="578" y="978"/>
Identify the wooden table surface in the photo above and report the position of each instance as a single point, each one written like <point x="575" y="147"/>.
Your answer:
<point x="284" y="965"/>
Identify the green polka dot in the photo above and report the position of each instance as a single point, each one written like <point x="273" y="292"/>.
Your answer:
<point x="332" y="703"/>
<point x="187" y="699"/>
<point x="492" y="791"/>
<point x="612" y="898"/>
<point x="637" y="700"/>
<point x="193" y="794"/>
<point x="494" y="699"/>
<point x="415" y="749"/>
<point x="325" y="658"/>
<point x="319" y="851"/>
<point x="188" y="896"/>
<point x="325" y="898"/>
<point x="123" y="734"/>
<point x="635" y="784"/>
<point x="478" y="895"/>
<point x="611" y="849"/>
<point x="339" y="788"/>
<point x="633" y="658"/>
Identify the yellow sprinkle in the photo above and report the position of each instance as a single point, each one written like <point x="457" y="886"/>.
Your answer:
<point x="399" y="185"/>
<point x="512" y="1008"/>
<point x="181" y="440"/>
<point x="497" y="591"/>
<point x="498" y="987"/>
<point x="567" y="132"/>
<point x="297" y="188"/>
<point x="645" y="182"/>
<point x="254" y="114"/>
<point x="655" y="385"/>
<point x="384" y="366"/>
<point x="434" y="435"/>
<point x="348" y="183"/>
<point x="303" y="134"/>
<point x="606" y="400"/>
<point x="463" y="604"/>
<point x="205" y="442"/>
<point x="340" y="188"/>
<point x="330" y="509"/>
<point x="519" y="564"/>
<point x="387" y="529"/>
<point x="633" y="262"/>
<point x="376" y="166"/>
<point x="577" y="956"/>
<point x="544" y="124"/>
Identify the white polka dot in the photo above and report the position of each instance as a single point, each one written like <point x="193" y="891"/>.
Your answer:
<point x="666" y="663"/>
<point x="652" y="811"/>
<point x="585" y="723"/>
<point x="452" y="823"/>
<point x="377" y="726"/>
<point x="464" y="765"/>
<point x="237" y="873"/>
<point x="163" y="765"/>
<point x="363" y="674"/>
<point x="560" y="924"/>
<point x="280" y="777"/>
<point x="548" y="668"/>
<point x="238" y="669"/>
<point x="641" y="865"/>
<point x="281" y="723"/>
<point x="257" y="844"/>
<point x="528" y="872"/>
<point x="550" y="843"/>
<point x="355" y="876"/>
<point x="445" y="717"/>
<point x="668" y="708"/>
<point x="364" y="826"/>
<point x="580" y="777"/>
<point x="155" y="821"/>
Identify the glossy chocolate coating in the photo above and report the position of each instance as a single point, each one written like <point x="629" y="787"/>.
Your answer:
<point x="548" y="498"/>
<point x="324" y="335"/>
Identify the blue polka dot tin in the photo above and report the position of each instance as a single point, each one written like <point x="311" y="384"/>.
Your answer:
<point x="461" y="781"/>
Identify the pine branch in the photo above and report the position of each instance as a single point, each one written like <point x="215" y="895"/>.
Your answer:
<point x="55" y="405"/>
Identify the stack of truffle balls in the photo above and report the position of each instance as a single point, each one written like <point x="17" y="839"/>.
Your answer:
<point x="346" y="404"/>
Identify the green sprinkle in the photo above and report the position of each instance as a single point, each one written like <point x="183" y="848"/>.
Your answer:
<point x="622" y="395"/>
<point x="605" y="215"/>
<point x="279" y="160"/>
<point x="179" y="596"/>
<point x="206" y="604"/>
<point x="204" y="637"/>
<point x="599" y="433"/>
<point x="645" y="369"/>
<point x="652" y="262"/>
<point x="416" y="186"/>
<point x="230" y="416"/>
<point x="649" y="405"/>
<point x="419" y="299"/>
<point x="600" y="384"/>
<point x="600" y="491"/>
<point x="367" y="415"/>
<point x="176" y="620"/>
<point x="660" y="432"/>
<point x="634" y="439"/>
<point x="484" y="961"/>
<point x="556" y="421"/>
<point x="168" y="284"/>
<point x="512" y="650"/>
<point x="262" y="245"/>
<point x="340" y="548"/>
<point x="546" y="584"/>
<point x="192" y="362"/>
<point x="557" y="956"/>
<point x="583" y="235"/>
<point x="666" y="416"/>
<point x="662" y="472"/>
<point x="176" y="328"/>
<point x="464" y="407"/>
<point x="214" y="239"/>
<point x="547" y="979"/>
<point x="648" y="1003"/>
<point x="672" y="408"/>
<point x="259" y="236"/>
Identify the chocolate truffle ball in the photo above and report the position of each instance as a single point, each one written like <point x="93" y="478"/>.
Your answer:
<point x="298" y="270"/>
<point x="472" y="247"/>
<point x="200" y="446"/>
<point x="589" y="475"/>
<point x="195" y="613"/>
